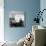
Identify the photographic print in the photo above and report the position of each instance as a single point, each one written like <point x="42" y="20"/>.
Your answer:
<point x="16" y="19"/>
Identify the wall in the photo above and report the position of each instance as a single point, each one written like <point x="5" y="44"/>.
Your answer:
<point x="43" y="6"/>
<point x="30" y="7"/>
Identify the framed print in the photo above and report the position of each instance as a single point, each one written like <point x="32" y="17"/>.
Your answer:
<point x="16" y="19"/>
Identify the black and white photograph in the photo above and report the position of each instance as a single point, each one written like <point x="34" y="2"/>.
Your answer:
<point x="16" y="19"/>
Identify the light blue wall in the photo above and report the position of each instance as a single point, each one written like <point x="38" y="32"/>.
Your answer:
<point x="30" y="7"/>
<point x="43" y="6"/>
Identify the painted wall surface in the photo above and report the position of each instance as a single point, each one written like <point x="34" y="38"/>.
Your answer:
<point x="30" y="7"/>
<point x="43" y="6"/>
